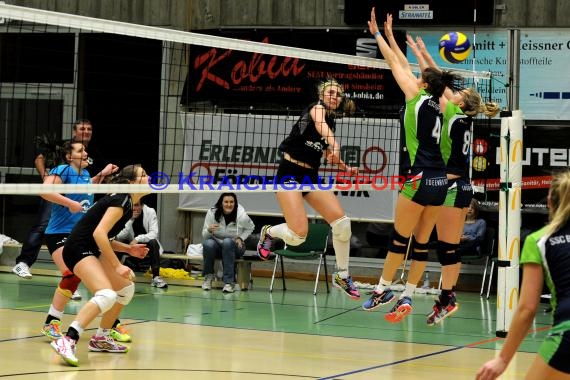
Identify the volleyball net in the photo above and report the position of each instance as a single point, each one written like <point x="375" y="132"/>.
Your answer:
<point x="201" y="112"/>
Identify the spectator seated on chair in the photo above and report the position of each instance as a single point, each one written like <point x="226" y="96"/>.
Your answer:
<point x="226" y="228"/>
<point x="473" y="232"/>
<point x="143" y="228"/>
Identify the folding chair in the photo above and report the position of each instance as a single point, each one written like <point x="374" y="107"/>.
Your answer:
<point x="315" y="246"/>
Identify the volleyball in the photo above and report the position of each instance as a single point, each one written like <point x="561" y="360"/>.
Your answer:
<point x="454" y="47"/>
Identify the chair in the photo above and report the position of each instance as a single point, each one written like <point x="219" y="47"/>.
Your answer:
<point x="487" y="252"/>
<point x="315" y="246"/>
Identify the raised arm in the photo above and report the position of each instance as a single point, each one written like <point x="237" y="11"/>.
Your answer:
<point x="427" y="56"/>
<point x="395" y="47"/>
<point x="407" y="84"/>
<point x="417" y="53"/>
<point x="430" y="62"/>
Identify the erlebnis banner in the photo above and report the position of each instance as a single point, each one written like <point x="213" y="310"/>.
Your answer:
<point x="545" y="151"/>
<point x="225" y="152"/>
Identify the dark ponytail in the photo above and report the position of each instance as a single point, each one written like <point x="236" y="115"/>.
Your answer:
<point x="124" y="176"/>
<point x="438" y="80"/>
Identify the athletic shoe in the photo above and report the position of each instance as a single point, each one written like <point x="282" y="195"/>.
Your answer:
<point x="346" y="285"/>
<point x="441" y="312"/>
<point x="76" y="296"/>
<point x="119" y="333"/>
<point x="65" y="347"/>
<point x="106" y="344"/>
<point x="158" y="282"/>
<point x="207" y="284"/>
<point x="264" y="244"/>
<point x="52" y="330"/>
<point x="402" y="308"/>
<point x="378" y="299"/>
<point x="23" y="270"/>
<point x="228" y="288"/>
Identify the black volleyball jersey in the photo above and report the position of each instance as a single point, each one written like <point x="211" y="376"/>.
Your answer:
<point x="81" y="237"/>
<point x="305" y="143"/>
<point x="456" y="140"/>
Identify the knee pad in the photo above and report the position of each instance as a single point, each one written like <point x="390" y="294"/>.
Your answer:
<point x="291" y="238"/>
<point x="341" y="229"/>
<point x="447" y="253"/>
<point x="125" y="295"/>
<point x="395" y="237"/>
<point x="104" y="299"/>
<point x="68" y="284"/>
<point x="419" y="250"/>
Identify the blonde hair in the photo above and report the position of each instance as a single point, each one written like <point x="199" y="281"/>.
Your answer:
<point x="474" y="104"/>
<point x="348" y="105"/>
<point x="559" y="202"/>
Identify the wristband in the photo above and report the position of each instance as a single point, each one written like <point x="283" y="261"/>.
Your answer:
<point x="377" y="34"/>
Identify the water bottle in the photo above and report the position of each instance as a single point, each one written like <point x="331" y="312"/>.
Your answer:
<point x="426" y="281"/>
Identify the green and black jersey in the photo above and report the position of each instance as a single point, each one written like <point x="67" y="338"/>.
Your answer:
<point x="423" y="127"/>
<point x="456" y="140"/>
<point x="553" y="254"/>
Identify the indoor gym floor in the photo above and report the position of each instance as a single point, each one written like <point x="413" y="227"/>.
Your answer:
<point x="187" y="333"/>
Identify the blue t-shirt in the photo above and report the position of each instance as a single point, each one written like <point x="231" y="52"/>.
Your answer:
<point x="62" y="220"/>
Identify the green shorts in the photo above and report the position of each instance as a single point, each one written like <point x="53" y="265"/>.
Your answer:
<point x="555" y="349"/>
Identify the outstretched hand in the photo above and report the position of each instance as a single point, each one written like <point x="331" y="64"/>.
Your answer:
<point x="413" y="45"/>
<point x="372" y="25"/>
<point x="388" y="26"/>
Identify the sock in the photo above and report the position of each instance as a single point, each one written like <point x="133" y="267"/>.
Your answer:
<point x="102" y="332"/>
<point x="382" y="284"/>
<point x="343" y="273"/>
<point x="445" y="297"/>
<point x="116" y="323"/>
<point x="409" y="291"/>
<point x="74" y="331"/>
<point x="53" y="314"/>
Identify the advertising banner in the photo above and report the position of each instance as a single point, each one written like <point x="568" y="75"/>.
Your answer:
<point x="236" y="77"/>
<point x="545" y="150"/>
<point x="544" y="70"/>
<point x="222" y="150"/>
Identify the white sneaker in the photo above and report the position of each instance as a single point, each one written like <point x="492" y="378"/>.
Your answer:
<point x="207" y="284"/>
<point x="65" y="347"/>
<point x="158" y="282"/>
<point x="23" y="270"/>
<point x="228" y="288"/>
<point x="76" y="296"/>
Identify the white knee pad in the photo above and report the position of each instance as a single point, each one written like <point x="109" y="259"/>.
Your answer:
<point x="104" y="299"/>
<point x="341" y="229"/>
<point x="283" y="232"/>
<point x="125" y="295"/>
<point x="291" y="238"/>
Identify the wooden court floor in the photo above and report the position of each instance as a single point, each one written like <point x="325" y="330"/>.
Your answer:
<point x="186" y="333"/>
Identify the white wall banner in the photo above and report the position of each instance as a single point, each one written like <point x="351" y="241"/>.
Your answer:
<point x="236" y="148"/>
<point x="544" y="69"/>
